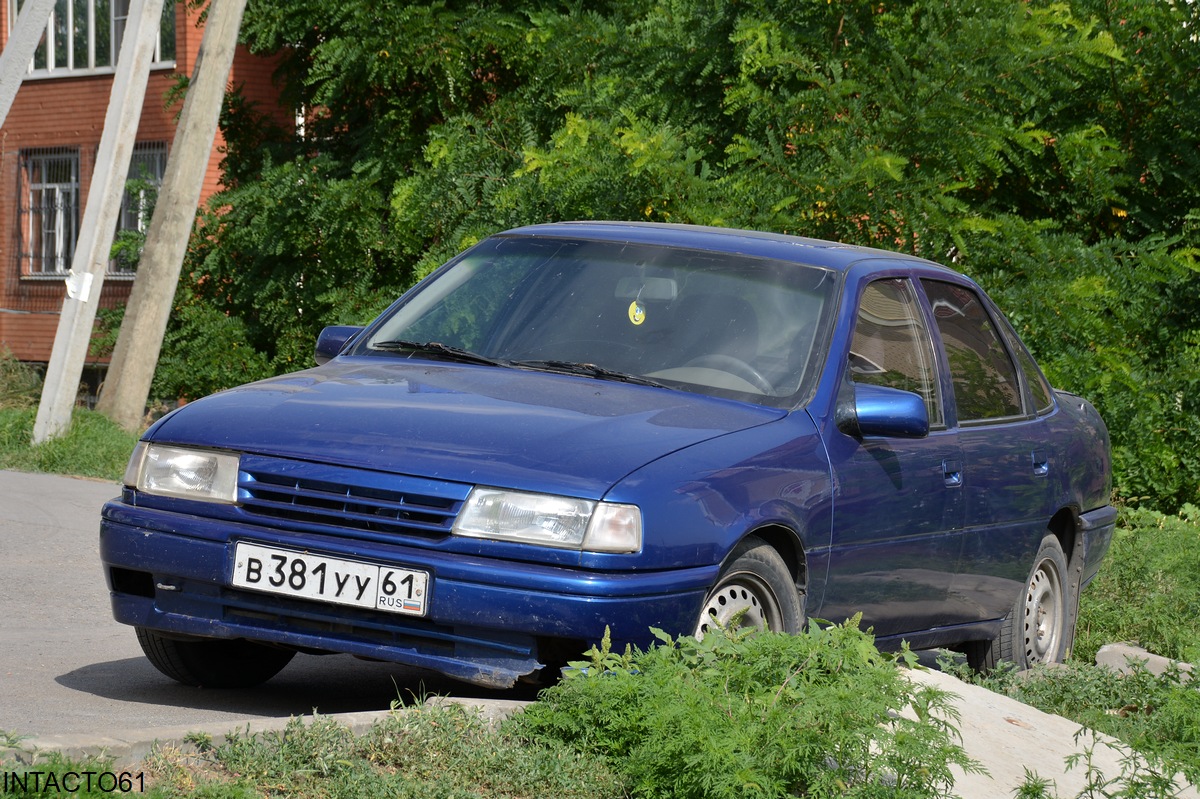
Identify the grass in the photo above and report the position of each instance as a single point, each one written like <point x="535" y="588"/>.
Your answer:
<point x="426" y="752"/>
<point x="1148" y="589"/>
<point x="94" y="446"/>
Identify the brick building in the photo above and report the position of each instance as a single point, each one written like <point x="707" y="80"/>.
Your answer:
<point x="48" y="147"/>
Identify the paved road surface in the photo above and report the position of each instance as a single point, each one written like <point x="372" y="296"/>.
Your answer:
<point x="67" y="667"/>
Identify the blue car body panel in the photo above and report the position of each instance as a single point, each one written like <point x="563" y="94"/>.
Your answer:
<point x="463" y="423"/>
<point x="371" y="458"/>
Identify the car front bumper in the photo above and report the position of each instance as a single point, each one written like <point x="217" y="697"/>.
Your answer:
<point x="488" y="621"/>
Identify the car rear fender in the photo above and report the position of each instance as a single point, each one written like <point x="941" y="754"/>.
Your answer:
<point x="1086" y="453"/>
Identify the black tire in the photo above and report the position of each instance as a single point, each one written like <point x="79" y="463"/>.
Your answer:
<point x="1041" y="626"/>
<point x="756" y="589"/>
<point x="213" y="662"/>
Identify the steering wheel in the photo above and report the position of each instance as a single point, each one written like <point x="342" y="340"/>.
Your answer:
<point x="734" y="366"/>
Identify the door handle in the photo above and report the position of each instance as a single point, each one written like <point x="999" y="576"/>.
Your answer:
<point x="952" y="473"/>
<point x="1041" y="463"/>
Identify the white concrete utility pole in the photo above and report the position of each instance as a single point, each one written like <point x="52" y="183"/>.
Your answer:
<point x="127" y="386"/>
<point x="21" y="45"/>
<point x="90" y="261"/>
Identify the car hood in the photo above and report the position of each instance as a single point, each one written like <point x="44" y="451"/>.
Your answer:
<point x="472" y="424"/>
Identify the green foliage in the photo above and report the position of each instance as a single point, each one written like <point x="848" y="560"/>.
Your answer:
<point x="92" y="447"/>
<point x="126" y="251"/>
<point x="302" y="247"/>
<point x="1114" y="323"/>
<point x="1139" y="776"/>
<point x="755" y="715"/>
<point x="205" y="351"/>
<point x="1148" y="590"/>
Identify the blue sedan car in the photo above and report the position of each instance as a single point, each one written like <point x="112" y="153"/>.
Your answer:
<point x="579" y="426"/>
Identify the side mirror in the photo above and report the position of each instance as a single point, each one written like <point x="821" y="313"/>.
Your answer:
<point x="880" y="411"/>
<point x="333" y="340"/>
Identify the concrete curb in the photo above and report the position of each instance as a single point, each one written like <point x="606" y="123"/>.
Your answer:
<point x="1122" y="657"/>
<point x="128" y="748"/>
<point x="1007" y="737"/>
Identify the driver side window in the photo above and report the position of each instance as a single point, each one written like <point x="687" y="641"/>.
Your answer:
<point x="892" y="347"/>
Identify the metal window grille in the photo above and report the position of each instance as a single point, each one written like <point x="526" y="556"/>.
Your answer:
<point x="146" y="169"/>
<point x="48" y="211"/>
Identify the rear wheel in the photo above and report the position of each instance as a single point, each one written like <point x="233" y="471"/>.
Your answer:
<point x="213" y="662"/>
<point x="754" y="590"/>
<point x="1040" y="627"/>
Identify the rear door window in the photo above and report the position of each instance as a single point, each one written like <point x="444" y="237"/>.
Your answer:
<point x="986" y="386"/>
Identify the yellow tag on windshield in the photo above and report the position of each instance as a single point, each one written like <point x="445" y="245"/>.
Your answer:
<point x="637" y="314"/>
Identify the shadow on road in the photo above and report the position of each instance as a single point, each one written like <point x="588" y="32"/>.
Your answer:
<point x="325" y="684"/>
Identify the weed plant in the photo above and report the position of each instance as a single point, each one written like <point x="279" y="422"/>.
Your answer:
<point x="1139" y="776"/>
<point x="20" y="383"/>
<point x="55" y="775"/>
<point x="765" y="715"/>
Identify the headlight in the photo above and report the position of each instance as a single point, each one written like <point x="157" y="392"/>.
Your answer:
<point x="187" y="473"/>
<point x="550" y="521"/>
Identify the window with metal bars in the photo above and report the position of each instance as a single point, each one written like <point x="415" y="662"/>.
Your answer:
<point x="146" y="169"/>
<point x="48" y="210"/>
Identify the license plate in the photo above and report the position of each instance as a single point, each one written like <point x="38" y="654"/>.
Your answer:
<point x="326" y="579"/>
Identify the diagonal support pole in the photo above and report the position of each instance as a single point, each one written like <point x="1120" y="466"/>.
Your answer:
<point x="131" y="370"/>
<point x="22" y="44"/>
<point x="90" y="261"/>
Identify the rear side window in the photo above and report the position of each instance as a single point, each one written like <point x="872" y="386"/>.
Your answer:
<point x="1039" y="389"/>
<point x="892" y="347"/>
<point x="985" y="380"/>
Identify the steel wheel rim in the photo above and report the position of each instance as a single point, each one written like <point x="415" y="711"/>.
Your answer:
<point x="743" y="593"/>
<point x="1043" y="614"/>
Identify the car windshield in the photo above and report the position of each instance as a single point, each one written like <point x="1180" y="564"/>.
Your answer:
<point x="708" y="322"/>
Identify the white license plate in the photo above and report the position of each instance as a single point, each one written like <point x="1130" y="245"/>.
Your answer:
<point x="326" y="579"/>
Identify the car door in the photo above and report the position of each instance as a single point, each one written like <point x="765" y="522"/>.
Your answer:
<point x="897" y="505"/>
<point x="1007" y="461"/>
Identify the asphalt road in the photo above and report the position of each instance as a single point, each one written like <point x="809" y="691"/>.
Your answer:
<point x="67" y="668"/>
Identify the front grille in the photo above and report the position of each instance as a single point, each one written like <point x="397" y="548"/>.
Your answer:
<point x="302" y="495"/>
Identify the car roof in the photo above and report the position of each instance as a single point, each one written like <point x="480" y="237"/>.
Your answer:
<point x="797" y="249"/>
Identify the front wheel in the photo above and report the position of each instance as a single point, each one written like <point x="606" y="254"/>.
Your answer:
<point x="213" y="662"/>
<point x="1040" y="627"/>
<point x="754" y="590"/>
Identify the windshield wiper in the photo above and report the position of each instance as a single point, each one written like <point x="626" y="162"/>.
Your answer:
<point x="587" y="370"/>
<point x="438" y="348"/>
